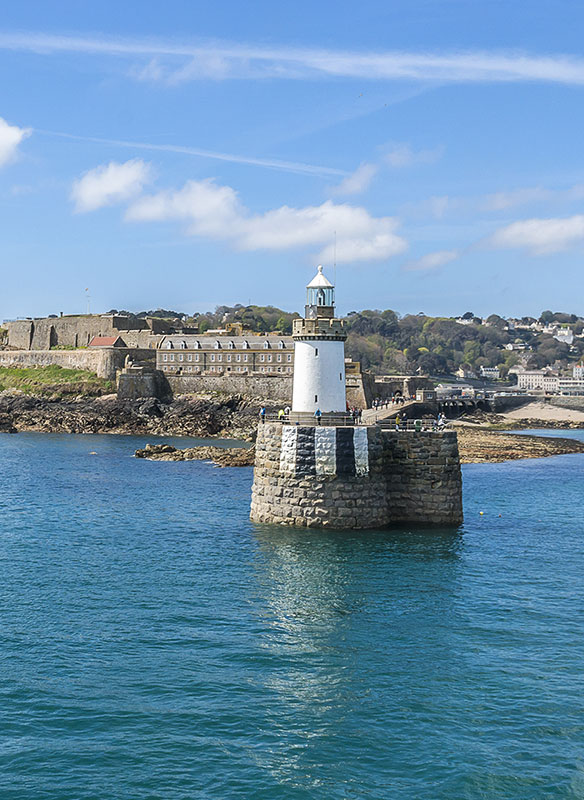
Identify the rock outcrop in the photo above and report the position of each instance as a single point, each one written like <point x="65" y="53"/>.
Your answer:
<point x="203" y="415"/>
<point x="221" y="456"/>
<point x="479" y="445"/>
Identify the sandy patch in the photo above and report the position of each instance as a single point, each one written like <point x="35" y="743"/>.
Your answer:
<point x="545" y="412"/>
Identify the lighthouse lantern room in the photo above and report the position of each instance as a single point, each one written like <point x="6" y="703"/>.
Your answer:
<point x="319" y="353"/>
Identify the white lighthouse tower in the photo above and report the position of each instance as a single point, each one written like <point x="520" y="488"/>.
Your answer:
<point x="319" y="353"/>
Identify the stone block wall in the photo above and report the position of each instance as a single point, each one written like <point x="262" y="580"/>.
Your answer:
<point x="277" y="388"/>
<point x="363" y="477"/>
<point x="77" y="331"/>
<point x="103" y="362"/>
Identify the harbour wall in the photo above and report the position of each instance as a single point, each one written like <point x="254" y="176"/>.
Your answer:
<point x="355" y="477"/>
<point x="104" y="363"/>
<point x="269" y="388"/>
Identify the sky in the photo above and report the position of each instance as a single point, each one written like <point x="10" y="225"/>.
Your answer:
<point x="191" y="154"/>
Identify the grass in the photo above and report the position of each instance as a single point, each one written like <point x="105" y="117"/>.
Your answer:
<point x="53" y="381"/>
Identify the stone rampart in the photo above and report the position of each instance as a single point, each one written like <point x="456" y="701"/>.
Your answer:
<point x="77" y="331"/>
<point x="103" y="362"/>
<point x="362" y="477"/>
<point x="277" y="388"/>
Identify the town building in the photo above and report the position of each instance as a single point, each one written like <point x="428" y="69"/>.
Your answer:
<point x="578" y="371"/>
<point x="537" y="379"/>
<point x="492" y="373"/>
<point x="465" y="372"/>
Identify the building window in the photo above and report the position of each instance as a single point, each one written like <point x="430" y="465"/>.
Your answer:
<point x="172" y="357"/>
<point x="316" y="351"/>
<point x="213" y="358"/>
<point x="289" y="357"/>
<point x="181" y="357"/>
<point x="190" y="357"/>
<point x="279" y="356"/>
<point x="229" y="357"/>
<point x="165" y="357"/>
<point x="190" y="369"/>
<point x="197" y="357"/>
<point x="289" y="369"/>
<point x="238" y="357"/>
<point x="262" y="358"/>
<point x="269" y="358"/>
<point x="266" y="345"/>
<point x="316" y="398"/>
<point x="245" y="358"/>
<point x="340" y="376"/>
<point x="219" y="358"/>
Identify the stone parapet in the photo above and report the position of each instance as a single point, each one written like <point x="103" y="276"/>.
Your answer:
<point x="354" y="478"/>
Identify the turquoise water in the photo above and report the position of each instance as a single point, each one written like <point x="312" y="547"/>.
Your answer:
<point x="156" y="644"/>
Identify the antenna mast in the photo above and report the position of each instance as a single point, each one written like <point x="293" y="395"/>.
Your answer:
<point x="335" y="261"/>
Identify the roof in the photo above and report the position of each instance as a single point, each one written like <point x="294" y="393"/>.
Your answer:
<point x="107" y="341"/>
<point x="319" y="281"/>
<point x="203" y="342"/>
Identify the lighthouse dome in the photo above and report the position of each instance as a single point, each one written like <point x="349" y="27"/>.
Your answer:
<point x="319" y="281"/>
<point x="320" y="297"/>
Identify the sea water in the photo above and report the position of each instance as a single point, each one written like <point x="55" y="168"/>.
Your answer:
<point x="156" y="644"/>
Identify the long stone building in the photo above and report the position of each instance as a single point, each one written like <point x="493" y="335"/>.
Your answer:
<point x="224" y="355"/>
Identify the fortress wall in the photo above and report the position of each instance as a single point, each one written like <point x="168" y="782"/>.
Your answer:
<point x="19" y="333"/>
<point x="75" y="331"/>
<point x="351" y="478"/>
<point x="104" y="363"/>
<point x="267" y="388"/>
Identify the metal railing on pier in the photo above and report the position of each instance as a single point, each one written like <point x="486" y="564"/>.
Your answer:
<point x="306" y="420"/>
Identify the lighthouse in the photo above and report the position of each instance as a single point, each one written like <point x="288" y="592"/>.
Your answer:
<point x="319" y="352"/>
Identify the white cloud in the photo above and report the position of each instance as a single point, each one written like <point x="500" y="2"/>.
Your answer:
<point x="109" y="184"/>
<point x="433" y="260"/>
<point x="500" y="201"/>
<point x="233" y="60"/>
<point x="402" y="155"/>
<point x="358" y="181"/>
<point x="540" y="236"/>
<point x="10" y="137"/>
<point x="213" y="211"/>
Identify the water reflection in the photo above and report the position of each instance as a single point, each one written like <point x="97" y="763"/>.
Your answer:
<point x="322" y="598"/>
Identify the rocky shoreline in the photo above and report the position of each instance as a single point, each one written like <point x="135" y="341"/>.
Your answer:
<point x="220" y="456"/>
<point x="483" y="445"/>
<point x="213" y="415"/>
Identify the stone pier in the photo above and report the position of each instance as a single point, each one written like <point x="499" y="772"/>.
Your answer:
<point x="355" y="477"/>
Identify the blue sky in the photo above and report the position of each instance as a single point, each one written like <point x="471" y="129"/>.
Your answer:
<point x="189" y="154"/>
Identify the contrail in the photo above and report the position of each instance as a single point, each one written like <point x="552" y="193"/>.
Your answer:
<point x="285" y="166"/>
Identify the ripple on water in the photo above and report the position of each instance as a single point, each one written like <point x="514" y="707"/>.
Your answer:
<point x="155" y="643"/>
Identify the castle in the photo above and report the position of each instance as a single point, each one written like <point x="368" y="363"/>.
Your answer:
<point x="318" y="469"/>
